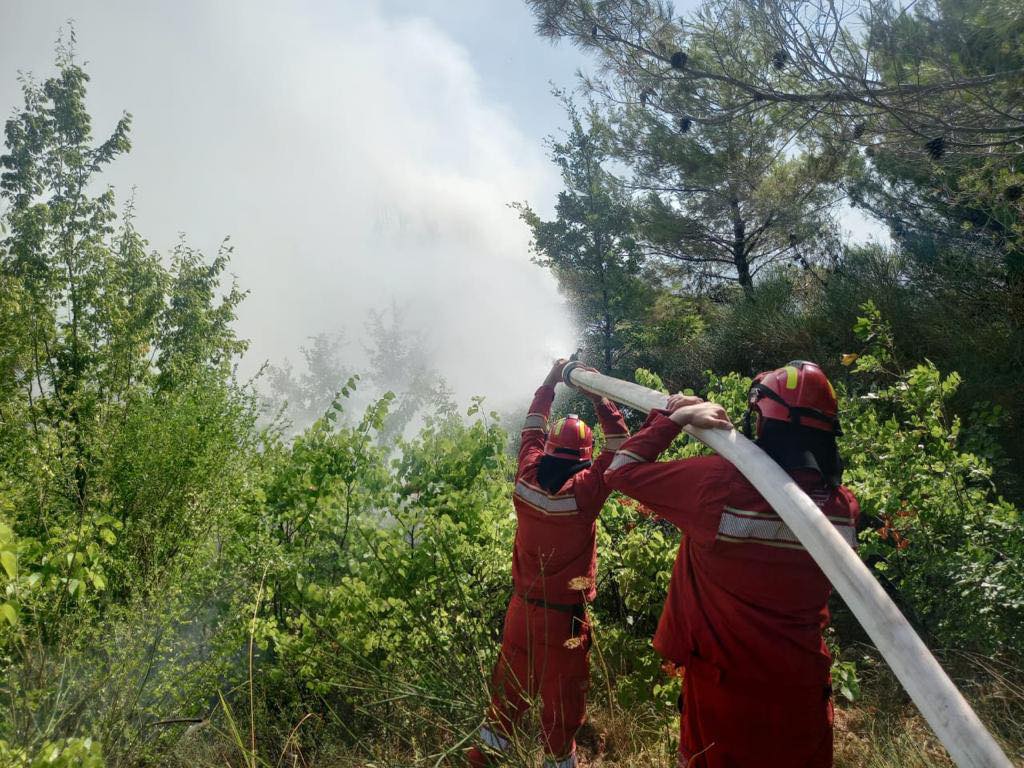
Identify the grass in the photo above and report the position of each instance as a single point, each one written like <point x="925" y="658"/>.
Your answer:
<point x="881" y="730"/>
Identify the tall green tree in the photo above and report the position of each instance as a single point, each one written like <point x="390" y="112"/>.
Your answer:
<point x="591" y="245"/>
<point x="306" y="395"/>
<point x="723" y="194"/>
<point x="400" y="362"/>
<point x="930" y="92"/>
<point x="726" y="202"/>
<point x="845" y="64"/>
<point x="117" y="400"/>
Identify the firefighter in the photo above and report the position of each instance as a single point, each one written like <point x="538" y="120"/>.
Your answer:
<point x="746" y="604"/>
<point x="558" y="494"/>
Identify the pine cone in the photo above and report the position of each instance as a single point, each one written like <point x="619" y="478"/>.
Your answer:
<point x="936" y="147"/>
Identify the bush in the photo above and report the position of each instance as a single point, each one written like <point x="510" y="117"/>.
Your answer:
<point x="953" y="548"/>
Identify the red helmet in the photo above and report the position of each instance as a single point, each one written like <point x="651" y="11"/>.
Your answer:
<point x="799" y="393"/>
<point x="570" y="438"/>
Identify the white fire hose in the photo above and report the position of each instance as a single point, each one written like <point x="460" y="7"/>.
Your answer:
<point x="945" y="709"/>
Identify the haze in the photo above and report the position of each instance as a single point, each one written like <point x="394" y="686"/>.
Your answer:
<point x="358" y="154"/>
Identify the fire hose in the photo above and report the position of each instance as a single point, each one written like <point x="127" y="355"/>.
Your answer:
<point x="947" y="712"/>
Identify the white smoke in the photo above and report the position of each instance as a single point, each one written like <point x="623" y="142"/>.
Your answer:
<point x="352" y="157"/>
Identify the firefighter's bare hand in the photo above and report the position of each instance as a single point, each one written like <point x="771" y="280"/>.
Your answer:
<point x="703" y="415"/>
<point x="555" y="374"/>
<point x="675" y="402"/>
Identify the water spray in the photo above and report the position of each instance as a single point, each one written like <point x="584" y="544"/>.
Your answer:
<point x="943" y="706"/>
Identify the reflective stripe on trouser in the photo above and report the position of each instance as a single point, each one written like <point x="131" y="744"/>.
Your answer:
<point x="542" y="657"/>
<point x="492" y="740"/>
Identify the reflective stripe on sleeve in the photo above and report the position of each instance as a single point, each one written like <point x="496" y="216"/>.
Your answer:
<point x="622" y="458"/>
<point x="614" y="442"/>
<point x="535" y="421"/>
<point x="550" y="505"/>
<point x="744" y="527"/>
<point x="490" y="739"/>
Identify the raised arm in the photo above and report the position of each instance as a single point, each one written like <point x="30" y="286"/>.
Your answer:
<point x="591" y="489"/>
<point x="535" y="427"/>
<point x="612" y="424"/>
<point x="670" y="489"/>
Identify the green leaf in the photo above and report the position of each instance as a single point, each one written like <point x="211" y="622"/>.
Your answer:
<point x="10" y="563"/>
<point x="108" y="535"/>
<point x="8" y="612"/>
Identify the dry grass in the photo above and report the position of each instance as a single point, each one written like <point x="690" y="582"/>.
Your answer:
<point x="885" y="730"/>
<point x="882" y="730"/>
<point x="866" y="739"/>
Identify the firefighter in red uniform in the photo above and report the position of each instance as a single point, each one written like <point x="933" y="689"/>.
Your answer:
<point x="544" y="652"/>
<point x="746" y="605"/>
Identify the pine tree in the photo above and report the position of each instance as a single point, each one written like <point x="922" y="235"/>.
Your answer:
<point x="590" y="246"/>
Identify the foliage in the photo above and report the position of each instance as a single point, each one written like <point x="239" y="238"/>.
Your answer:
<point x="929" y="78"/>
<point x="126" y="446"/>
<point x="307" y="394"/>
<point x="68" y="753"/>
<point x="400" y="362"/>
<point x="740" y="125"/>
<point x="590" y="246"/>
<point x="714" y="200"/>
<point x="967" y="189"/>
<point x="925" y="479"/>
<point x="376" y="561"/>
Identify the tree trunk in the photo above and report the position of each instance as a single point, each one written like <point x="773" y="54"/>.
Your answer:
<point x="606" y="311"/>
<point x="607" y="332"/>
<point x="739" y="248"/>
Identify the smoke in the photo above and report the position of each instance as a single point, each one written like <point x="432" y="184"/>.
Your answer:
<point x="353" y="157"/>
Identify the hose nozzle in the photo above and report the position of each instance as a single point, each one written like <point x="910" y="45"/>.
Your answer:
<point x="567" y="372"/>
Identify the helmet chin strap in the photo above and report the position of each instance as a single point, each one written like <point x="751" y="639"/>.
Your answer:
<point x="747" y="429"/>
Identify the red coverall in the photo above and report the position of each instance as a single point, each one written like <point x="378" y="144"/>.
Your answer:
<point x="545" y="644"/>
<point x="745" y="610"/>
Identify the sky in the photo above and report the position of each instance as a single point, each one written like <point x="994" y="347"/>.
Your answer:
<point x="360" y="154"/>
